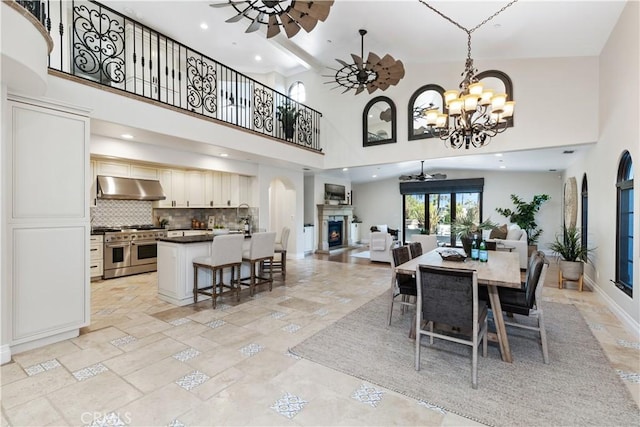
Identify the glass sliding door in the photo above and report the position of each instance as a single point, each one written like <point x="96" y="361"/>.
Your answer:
<point x="440" y="217"/>
<point x="414" y="219"/>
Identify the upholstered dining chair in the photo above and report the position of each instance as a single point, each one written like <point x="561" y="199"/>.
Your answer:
<point x="226" y="253"/>
<point x="527" y="301"/>
<point x="450" y="296"/>
<point x="279" y="264"/>
<point x="415" y="248"/>
<point x="261" y="249"/>
<point x="402" y="285"/>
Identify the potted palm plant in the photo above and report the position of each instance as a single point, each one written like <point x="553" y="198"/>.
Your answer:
<point x="288" y="116"/>
<point x="568" y="246"/>
<point x="465" y="228"/>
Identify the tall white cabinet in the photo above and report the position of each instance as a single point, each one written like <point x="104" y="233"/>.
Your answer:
<point x="46" y="264"/>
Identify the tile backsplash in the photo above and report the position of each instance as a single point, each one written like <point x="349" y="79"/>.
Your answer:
<point x="114" y="213"/>
<point x="181" y="218"/>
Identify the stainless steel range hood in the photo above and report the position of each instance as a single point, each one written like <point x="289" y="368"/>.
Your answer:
<point x="116" y="188"/>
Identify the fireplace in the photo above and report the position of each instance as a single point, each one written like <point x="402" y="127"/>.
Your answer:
<point x="335" y="233"/>
<point x="342" y="214"/>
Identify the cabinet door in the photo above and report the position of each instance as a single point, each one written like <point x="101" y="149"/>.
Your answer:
<point x="195" y="189"/>
<point x="164" y="175"/>
<point x="177" y="189"/>
<point x="245" y="190"/>
<point x="208" y="189"/>
<point x="216" y="178"/>
<point x="107" y="168"/>
<point x="226" y="190"/>
<point x="234" y="190"/>
<point x="143" y="172"/>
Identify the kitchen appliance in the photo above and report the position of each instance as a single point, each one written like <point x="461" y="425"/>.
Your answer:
<point x="131" y="250"/>
<point x="117" y="188"/>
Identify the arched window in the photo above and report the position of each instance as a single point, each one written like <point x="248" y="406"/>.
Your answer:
<point x="297" y="92"/>
<point x="584" y="213"/>
<point x="499" y="82"/>
<point x="428" y="97"/>
<point x="624" y="225"/>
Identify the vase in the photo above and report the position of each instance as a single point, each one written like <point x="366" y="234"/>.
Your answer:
<point x="571" y="270"/>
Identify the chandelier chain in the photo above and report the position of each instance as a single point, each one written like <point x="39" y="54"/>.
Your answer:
<point x="468" y="31"/>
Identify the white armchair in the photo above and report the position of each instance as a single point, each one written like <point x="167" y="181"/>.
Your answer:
<point x="380" y="246"/>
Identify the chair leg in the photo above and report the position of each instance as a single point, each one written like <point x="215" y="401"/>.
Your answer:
<point x="391" y="307"/>
<point x="195" y="284"/>
<point x="237" y="271"/>
<point x="252" y="282"/>
<point x="271" y="275"/>
<point x="543" y="336"/>
<point x="418" y="335"/>
<point x="474" y="363"/>
<point x="431" y="330"/>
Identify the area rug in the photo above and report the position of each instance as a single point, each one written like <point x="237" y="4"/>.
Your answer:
<point x="364" y="254"/>
<point x="577" y="388"/>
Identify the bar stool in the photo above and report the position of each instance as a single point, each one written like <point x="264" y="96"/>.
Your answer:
<point x="226" y="252"/>
<point x="280" y="264"/>
<point x="261" y="250"/>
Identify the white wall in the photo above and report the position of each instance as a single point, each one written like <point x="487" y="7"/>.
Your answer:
<point x="542" y="88"/>
<point x="619" y="130"/>
<point x="380" y="202"/>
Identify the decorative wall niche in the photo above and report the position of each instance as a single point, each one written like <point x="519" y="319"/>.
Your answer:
<point x="379" y="122"/>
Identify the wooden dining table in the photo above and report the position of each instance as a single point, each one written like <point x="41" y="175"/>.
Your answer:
<point x="502" y="270"/>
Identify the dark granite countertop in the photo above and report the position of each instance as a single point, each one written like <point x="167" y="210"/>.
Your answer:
<point x="187" y="239"/>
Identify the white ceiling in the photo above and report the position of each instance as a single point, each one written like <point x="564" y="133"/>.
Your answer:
<point x="405" y="29"/>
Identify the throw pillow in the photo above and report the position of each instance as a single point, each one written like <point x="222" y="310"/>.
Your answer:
<point x="499" y="232"/>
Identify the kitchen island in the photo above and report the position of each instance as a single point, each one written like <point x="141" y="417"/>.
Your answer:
<point x="175" y="267"/>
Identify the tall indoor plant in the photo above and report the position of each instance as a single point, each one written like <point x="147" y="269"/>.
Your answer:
<point x="288" y="116"/>
<point x="524" y="214"/>
<point x="573" y="254"/>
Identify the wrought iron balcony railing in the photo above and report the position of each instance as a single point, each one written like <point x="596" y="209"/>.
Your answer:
<point x="96" y="43"/>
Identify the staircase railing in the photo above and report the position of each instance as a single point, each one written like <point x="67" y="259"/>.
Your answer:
<point x="96" y="43"/>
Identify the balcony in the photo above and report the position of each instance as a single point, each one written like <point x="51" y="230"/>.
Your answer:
<point x="99" y="45"/>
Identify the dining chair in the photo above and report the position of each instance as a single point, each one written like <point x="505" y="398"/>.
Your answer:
<point x="226" y="253"/>
<point x="279" y="264"/>
<point x="527" y="301"/>
<point x="416" y="249"/>
<point x="402" y="285"/>
<point x="449" y="296"/>
<point x="261" y="249"/>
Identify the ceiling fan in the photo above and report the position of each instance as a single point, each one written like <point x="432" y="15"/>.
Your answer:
<point x="289" y="14"/>
<point x="422" y="176"/>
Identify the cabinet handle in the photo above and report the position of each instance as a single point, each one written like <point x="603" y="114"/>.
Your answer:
<point x="93" y="250"/>
<point x="94" y="266"/>
<point x="187" y="203"/>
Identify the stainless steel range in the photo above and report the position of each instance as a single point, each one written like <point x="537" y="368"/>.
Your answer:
<point x="131" y="251"/>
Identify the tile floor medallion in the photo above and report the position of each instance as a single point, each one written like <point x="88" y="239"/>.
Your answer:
<point x="289" y="405"/>
<point x="368" y="394"/>
<point x="232" y="364"/>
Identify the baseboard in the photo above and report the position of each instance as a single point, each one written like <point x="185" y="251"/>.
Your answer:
<point x="630" y="324"/>
<point x="5" y="354"/>
<point x="41" y="342"/>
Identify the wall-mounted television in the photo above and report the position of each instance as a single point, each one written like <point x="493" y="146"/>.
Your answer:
<point x="335" y="192"/>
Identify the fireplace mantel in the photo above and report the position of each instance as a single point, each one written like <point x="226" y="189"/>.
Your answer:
<point x="328" y="213"/>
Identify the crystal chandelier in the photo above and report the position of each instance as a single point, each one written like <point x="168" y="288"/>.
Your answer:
<point x="475" y="114"/>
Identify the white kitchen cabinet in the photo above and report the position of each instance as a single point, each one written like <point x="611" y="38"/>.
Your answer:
<point x="110" y="168"/>
<point x="308" y="238"/>
<point x="195" y="189"/>
<point x="164" y="176"/>
<point x="178" y="188"/>
<point x="245" y="193"/>
<point x="96" y="260"/>
<point x="143" y="172"/>
<point x="197" y="232"/>
<point x="234" y="190"/>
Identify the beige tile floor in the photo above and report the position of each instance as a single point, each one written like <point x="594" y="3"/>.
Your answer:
<point x="144" y="362"/>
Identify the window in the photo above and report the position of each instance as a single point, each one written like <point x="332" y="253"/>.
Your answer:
<point x="428" y="97"/>
<point x="297" y="92"/>
<point x="433" y="205"/>
<point x="624" y="225"/>
<point x="584" y="213"/>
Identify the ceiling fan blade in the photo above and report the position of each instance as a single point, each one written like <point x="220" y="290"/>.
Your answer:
<point x="255" y="25"/>
<point x="319" y="10"/>
<point x="289" y="24"/>
<point x="344" y="64"/>
<point x="238" y="16"/>
<point x="357" y="60"/>
<point x="273" y="27"/>
<point x="304" y="20"/>
<point x="372" y="60"/>
<point x="216" y="5"/>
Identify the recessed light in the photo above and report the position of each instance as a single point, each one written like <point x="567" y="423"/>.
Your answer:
<point x="224" y="155"/>
<point x="498" y="154"/>
<point x="345" y="169"/>
<point x="204" y="26"/>
<point x="503" y="167"/>
<point x="374" y="176"/>
<point x="258" y="58"/>
<point x="127" y="136"/>
<point x="553" y="170"/>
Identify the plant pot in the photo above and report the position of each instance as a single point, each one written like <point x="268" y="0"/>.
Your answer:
<point x="466" y="245"/>
<point x="571" y="270"/>
<point x="531" y="249"/>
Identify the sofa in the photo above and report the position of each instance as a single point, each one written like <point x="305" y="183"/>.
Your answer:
<point x="511" y="236"/>
<point x="380" y="243"/>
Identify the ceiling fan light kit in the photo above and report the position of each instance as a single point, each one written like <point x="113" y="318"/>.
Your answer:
<point x="373" y="74"/>
<point x="291" y="15"/>
<point x="475" y="115"/>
